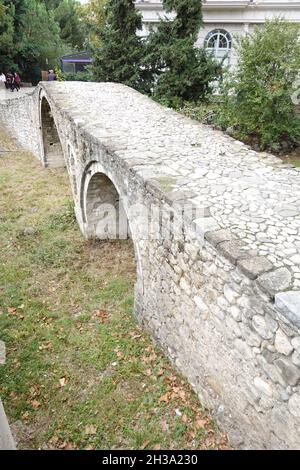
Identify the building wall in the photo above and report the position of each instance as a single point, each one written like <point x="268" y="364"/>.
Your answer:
<point x="236" y="17"/>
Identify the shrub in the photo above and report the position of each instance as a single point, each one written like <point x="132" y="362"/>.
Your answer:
<point x="256" y="98"/>
<point x="84" y="76"/>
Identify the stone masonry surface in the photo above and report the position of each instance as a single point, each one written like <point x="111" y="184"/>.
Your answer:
<point x="225" y="304"/>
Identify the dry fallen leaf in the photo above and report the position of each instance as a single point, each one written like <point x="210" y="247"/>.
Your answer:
<point x="200" y="424"/>
<point x="164" y="398"/>
<point x="164" y="425"/>
<point x="184" y="418"/>
<point x="102" y="315"/>
<point x="63" y="382"/>
<point x="25" y="416"/>
<point x="16" y="364"/>
<point x="157" y="447"/>
<point x="66" y="446"/>
<point x="12" y="311"/>
<point x="144" y="445"/>
<point x="34" y="391"/>
<point x="35" y="404"/>
<point x="90" y="430"/>
<point x="44" y="346"/>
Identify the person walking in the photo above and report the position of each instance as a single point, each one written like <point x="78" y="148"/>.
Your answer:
<point x="51" y="76"/>
<point x="17" y="81"/>
<point x="10" y="81"/>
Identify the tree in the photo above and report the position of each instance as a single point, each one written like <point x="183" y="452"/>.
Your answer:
<point x="71" y="27"/>
<point x="35" y="33"/>
<point x="38" y="40"/>
<point x="257" y="100"/>
<point x="119" y="55"/>
<point x="6" y="36"/>
<point x="92" y="15"/>
<point x="180" y="71"/>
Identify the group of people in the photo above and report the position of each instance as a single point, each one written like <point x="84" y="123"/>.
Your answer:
<point x="11" y="80"/>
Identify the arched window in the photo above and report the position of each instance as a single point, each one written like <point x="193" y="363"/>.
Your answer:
<point x="219" y="43"/>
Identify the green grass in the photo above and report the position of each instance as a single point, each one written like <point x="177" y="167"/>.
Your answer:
<point x="80" y="373"/>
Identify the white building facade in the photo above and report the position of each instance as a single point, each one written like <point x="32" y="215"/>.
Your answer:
<point x="224" y="20"/>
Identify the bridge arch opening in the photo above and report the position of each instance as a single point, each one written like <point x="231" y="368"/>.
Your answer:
<point x="104" y="213"/>
<point x="52" y="150"/>
<point x="105" y="216"/>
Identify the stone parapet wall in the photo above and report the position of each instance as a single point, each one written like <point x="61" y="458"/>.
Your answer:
<point x="20" y="116"/>
<point x="222" y="296"/>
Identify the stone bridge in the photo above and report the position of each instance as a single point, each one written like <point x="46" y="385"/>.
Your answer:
<point x="216" y="234"/>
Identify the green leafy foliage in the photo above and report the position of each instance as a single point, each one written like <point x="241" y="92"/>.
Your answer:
<point x="92" y="15"/>
<point x="6" y="36"/>
<point x="120" y="54"/>
<point x="34" y="33"/>
<point x="180" y="71"/>
<point x="256" y="98"/>
<point x="38" y="41"/>
<point x="71" y="28"/>
<point x="84" y="76"/>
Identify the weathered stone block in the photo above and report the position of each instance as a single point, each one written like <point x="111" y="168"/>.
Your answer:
<point x="289" y="304"/>
<point x="282" y="343"/>
<point x="235" y="250"/>
<point x="206" y="224"/>
<point x="296" y="358"/>
<point x="200" y="304"/>
<point x="218" y="236"/>
<point x="251" y="338"/>
<point x="263" y="386"/>
<point x="230" y="294"/>
<point x="265" y="326"/>
<point x="294" y="405"/>
<point x="289" y="372"/>
<point x="275" y="281"/>
<point x="254" y="267"/>
<point x="2" y="352"/>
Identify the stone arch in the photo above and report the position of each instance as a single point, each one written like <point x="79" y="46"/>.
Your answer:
<point x="104" y="210"/>
<point x="105" y="214"/>
<point x="52" y="153"/>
